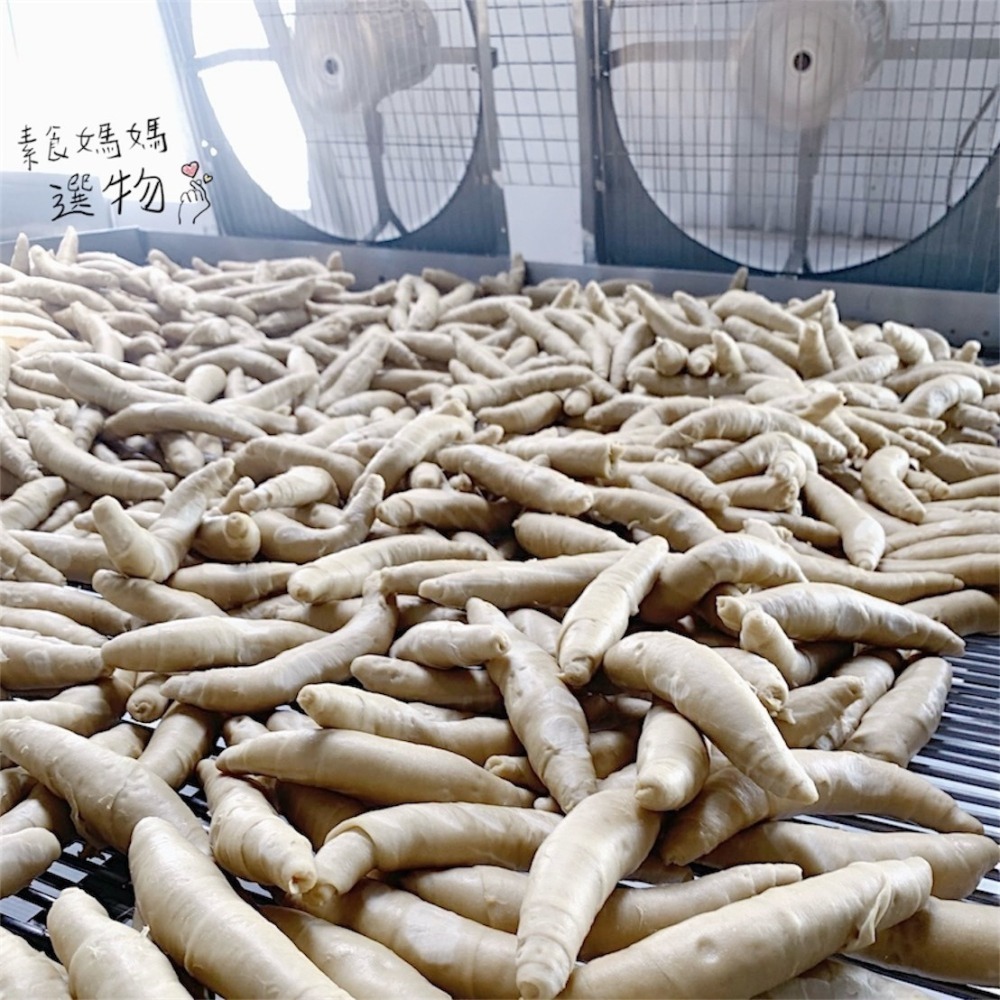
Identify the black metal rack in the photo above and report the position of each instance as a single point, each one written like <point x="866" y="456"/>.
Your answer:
<point x="963" y="758"/>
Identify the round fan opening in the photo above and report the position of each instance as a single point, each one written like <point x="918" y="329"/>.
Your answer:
<point x="357" y="116"/>
<point x="805" y="137"/>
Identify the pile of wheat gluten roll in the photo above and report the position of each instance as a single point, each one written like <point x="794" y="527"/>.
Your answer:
<point x="509" y="630"/>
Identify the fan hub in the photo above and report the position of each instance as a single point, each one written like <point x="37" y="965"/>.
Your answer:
<point x="348" y="56"/>
<point x="802" y="61"/>
<point x="799" y="61"/>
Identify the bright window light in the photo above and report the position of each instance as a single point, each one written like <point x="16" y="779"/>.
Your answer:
<point x="270" y="145"/>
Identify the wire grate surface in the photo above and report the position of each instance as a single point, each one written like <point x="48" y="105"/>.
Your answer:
<point x="963" y="758"/>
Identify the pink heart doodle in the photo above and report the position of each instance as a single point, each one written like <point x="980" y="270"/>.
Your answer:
<point x="190" y="169"/>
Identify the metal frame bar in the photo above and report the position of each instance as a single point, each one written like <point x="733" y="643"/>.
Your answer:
<point x="700" y="50"/>
<point x="486" y="60"/>
<point x="588" y="112"/>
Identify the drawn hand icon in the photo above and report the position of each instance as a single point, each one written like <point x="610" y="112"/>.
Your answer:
<point x="196" y="195"/>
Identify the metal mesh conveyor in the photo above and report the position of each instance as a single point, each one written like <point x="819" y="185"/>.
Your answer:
<point x="963" y="758"/>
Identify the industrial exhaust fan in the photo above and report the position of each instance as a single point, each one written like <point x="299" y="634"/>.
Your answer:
<point x="856" y="138"/>
<point x="359" y="120"/>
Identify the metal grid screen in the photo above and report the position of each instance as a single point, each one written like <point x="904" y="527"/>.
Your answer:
<point x="535" y="92"/>
<point x="806" y="137"/>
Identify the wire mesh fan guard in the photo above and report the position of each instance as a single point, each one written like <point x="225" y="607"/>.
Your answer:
<point x="378" y="101"/>
<point x="806" y="137"/>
